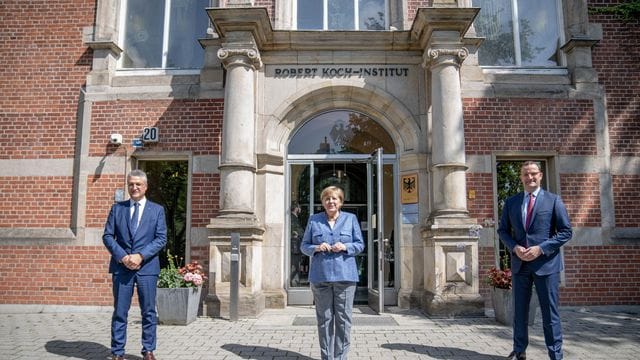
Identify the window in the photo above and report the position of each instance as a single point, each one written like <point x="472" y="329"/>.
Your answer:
<point x="163" y="34"/>
<point x="342" y="14"/>
<point x="519" y="33"/>
<point x="341" y="132"/>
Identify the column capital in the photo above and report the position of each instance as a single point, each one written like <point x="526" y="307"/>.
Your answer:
<point x="444" y="56"/>
<point x="240" y="56"/>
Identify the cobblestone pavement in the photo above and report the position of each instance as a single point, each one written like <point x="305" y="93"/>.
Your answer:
<point x="590" y="333"/>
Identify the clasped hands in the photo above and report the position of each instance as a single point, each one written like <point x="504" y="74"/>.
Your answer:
<point x="528" y="254"/>
<point x="325" y="247"/>
<point x="132" y="261"/>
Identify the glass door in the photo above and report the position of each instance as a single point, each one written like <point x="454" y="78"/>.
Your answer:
<point x="356" y="178"/>
<point x="381" y="252"/>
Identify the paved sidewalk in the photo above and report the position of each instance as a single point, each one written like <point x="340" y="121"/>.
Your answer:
<point x="590" y="333"/>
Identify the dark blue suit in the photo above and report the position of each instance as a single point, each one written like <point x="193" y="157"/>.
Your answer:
<point x="149" y="239"/>
<point x="550" y="229"/>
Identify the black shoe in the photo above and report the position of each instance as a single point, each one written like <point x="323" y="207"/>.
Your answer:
<point x="517" y="356"/>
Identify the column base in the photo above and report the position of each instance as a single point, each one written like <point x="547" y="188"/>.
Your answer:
<point x="453" y="305"/>
<point x="410" y="298"/>
<point x="275" y="299"/>
<point x="249" y="305"/>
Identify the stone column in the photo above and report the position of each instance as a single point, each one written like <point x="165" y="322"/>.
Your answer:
<point x="241" y="58"/>
<point x="451" y="240"/>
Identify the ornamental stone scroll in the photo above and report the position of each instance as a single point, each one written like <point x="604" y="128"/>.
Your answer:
<point x="433" y="57"/>
<point x="231" y="56"/>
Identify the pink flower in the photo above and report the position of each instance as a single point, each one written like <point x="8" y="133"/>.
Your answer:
<point x="197" y="279"/>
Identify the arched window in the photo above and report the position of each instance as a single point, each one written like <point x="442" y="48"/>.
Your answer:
<point x="341" y="132"/>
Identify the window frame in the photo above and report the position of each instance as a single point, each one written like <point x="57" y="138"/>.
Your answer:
<point x="325" y="17"/>
<point x="163" y="70"/>
<point x="518" y="68"/>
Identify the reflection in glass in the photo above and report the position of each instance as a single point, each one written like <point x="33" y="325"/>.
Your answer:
<point x="539" y="37"/>
<point x="143" y="34"/>
<point x="371" y="14"/>
<point x="299" y="214"/>
<point x="341" y="132"/>
<point x="495" y="25"/>
<point x="340" y="14"/>
<point x="537" y="33"/>
<point x="187" y="26"/>
<point x="310" y="15"/>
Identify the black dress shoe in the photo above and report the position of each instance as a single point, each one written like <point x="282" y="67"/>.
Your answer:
<point x="517" y="356"/>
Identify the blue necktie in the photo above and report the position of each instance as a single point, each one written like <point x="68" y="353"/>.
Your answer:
<point x="134" y="218"/>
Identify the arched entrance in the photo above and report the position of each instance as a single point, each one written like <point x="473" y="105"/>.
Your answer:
<point x="335" y="148"/>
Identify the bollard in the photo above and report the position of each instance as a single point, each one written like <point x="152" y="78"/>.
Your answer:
<point x="235" y="277"/>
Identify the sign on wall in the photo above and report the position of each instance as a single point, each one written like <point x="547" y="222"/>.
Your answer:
<point x="150" y="134"/>
<point x="409" y="189"/>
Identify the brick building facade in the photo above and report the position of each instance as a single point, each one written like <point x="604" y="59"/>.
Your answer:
<point x="65" y="91"/>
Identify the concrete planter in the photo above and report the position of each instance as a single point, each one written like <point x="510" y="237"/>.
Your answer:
<point x="178" y="306"/>
<point x="502" y="301"/>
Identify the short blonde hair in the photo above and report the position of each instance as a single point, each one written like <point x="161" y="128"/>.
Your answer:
<point x="332" y="190"/>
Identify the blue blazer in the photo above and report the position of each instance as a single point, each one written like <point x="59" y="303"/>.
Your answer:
<point x="149" y="239"/>
<point x="549" y="228"/>
<point x="327" y="266"/>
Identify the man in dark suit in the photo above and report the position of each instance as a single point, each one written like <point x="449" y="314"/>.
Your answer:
<point x="134" y="234"/>
<point x="533" y="226"/>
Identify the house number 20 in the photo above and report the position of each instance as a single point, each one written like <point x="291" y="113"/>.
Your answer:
<point x="150" y="134"/>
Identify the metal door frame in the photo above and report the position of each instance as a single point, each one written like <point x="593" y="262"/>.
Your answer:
<point x="302" y="295"/>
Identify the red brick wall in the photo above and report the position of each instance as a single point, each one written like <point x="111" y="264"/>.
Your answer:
<point x="480" y="207"/>
<point x="100" y="197"/>
<point x="581" y="196"/>
<point x="519" y="124"/>
<point x="626" y="199"/>
<point x="205" y="199"/>
<point x="44" y="65"/>
<point x="184" y="125"/>
<point x="594" y="275"/>
<point x="414" y="5"/>
<point x="36" y="202"/>
<point x="601" y="275"/>
<point x="60" y="275"/>
<point x="615" y="58"/>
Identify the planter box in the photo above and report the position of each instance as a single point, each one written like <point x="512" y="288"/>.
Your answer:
<point x="178" y="306"/>
<point x="502" y="301"/>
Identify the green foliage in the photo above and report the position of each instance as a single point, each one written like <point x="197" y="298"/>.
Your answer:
<point x="170" y="276"/>
<point x="168" y="183"/>
<point x="627" y="11"/>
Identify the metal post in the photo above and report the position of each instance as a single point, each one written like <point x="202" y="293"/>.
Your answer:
<point x="235" y="277"/>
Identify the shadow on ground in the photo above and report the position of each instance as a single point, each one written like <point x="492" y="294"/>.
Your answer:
<point x="82" y="350"/>
<point x="440" y="352"/>
<point x="262" y="352"/>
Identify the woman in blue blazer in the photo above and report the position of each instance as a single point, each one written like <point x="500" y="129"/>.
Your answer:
<point x="332" y="240"/>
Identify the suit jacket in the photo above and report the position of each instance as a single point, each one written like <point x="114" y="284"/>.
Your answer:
<point x="149" y="239"/>
<point x="549" y="228"/>
<point x="329" y="266"/>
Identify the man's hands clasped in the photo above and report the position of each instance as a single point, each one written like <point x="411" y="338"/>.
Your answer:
<point x="132" y="261"/>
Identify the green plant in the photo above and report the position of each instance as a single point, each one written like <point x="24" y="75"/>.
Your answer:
<point x="627" y="11"/>
<point x="190" y="275"/>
